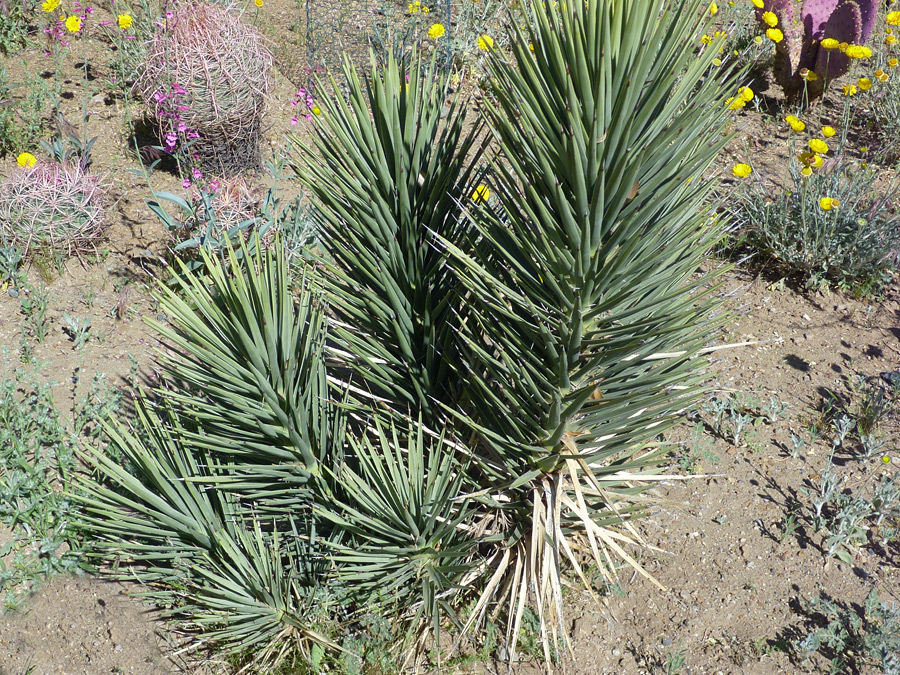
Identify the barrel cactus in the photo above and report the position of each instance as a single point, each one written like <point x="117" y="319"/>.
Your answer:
<point x="799" y="50"/>
<point x="205" y="81"/>
<point x="51" y="206"/>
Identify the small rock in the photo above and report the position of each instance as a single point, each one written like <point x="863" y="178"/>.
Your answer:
<point x="13" y="293"/>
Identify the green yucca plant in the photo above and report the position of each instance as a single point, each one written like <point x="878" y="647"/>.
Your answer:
<point x="560" y="325"/>
<point x="388" y="170"/>
<point x="404" y="510"/>
<point x="586" y="317"/>
<point x="215" y="515"/>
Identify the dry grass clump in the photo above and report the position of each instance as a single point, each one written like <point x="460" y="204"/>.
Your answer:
<point x="206" y="80"/>
<point x="52" y="205"/>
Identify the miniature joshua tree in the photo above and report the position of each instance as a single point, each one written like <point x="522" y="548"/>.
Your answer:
<point x="800" y="51"/>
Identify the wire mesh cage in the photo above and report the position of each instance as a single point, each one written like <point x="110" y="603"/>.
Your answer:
<point x="356" y="28"/>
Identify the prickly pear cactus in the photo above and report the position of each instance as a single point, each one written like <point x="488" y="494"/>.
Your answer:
<point x="850" y="21"/>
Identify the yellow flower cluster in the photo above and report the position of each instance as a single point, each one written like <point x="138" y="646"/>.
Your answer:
<point x="858" y="52"/>
<point x="26" y="159"/>
<point x="828" y="203"/>
<point x="818" y="146"/>
<point x="796" y="124"/>
<point x="416" y="7"/>
<point x="480" y="194"/>
<point x="744" y="96"/>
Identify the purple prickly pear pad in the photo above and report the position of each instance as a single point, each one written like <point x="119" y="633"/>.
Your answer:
<point x="815" y="15"/>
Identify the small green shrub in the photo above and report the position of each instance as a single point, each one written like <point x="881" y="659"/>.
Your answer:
<point x="850" y="641"/>
<point x="852" y="244"/>
<point x="13" y="29"/>
<point x="36" y="458"/>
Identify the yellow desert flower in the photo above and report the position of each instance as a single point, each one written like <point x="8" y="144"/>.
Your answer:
<point x="827" y="203"/>
<point x="770" y="19"/>
<point x="858" y="52"/>
<point x="480" y="194"/>
<point x="436" y="31"/>
<point x="713" y="9"/>
<point x="892" y="63"/>
<point x="881" y="75"/>
<point x="258" y="3"/>
<point x="49" y="5"/>
<point x="124" y="21"/>
<point x="829" y="43"/>
<point x="485" y="43"/>
<point x="26" y="159"/>
<point x="890" y="39"/>
<point x="849" y="89"/>
<point x="746" y="93"/>
<point x="741" y="170"/>
<point x="775" y="35"/>
<point x="816" y="161"/>
<point x="73" y="24"/>
<point x="796" y="124"/>
<point x="806" y="171"/>
<point x="828" y="132"/>
<point x="864" y="83"/>
<point x="893" y="18"/>
<point x="818" y="145"/>
<point x="759" y="4"/>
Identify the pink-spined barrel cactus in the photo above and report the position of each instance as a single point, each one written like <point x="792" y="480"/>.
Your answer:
<point x="800" y="51"/>
<point x="55" y="207"/>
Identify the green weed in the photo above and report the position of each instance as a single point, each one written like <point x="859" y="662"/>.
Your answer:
<point x="850" y="640"/>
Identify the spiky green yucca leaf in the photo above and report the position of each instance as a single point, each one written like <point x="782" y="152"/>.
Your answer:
<point x="403" y="510"/>
<point x="214" y="513"/>
<point x="248" y="361"/>
<point x="389" y="167"/>
<point x="193" y="548"/>
<point x="586" y="317"/>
